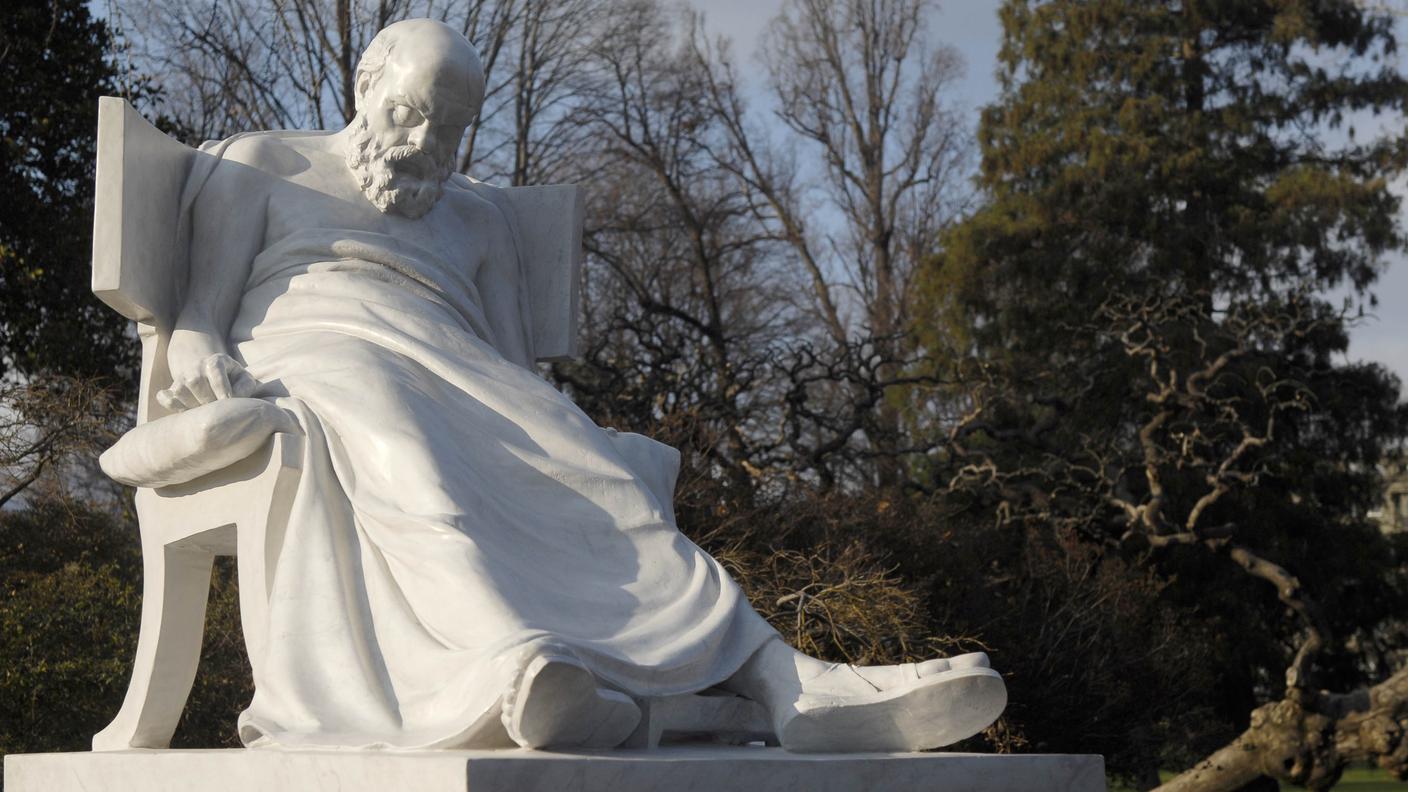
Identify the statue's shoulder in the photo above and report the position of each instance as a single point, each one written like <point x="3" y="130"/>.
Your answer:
<point x="483" y="200"/>
<point x="483" y="191"/>
<point x="252" y="154"/>
<point x="246" y="169"/>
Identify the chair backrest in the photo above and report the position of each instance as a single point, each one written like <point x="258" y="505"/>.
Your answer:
<point x="550" y="241"/>
<point x="140" y="262"/>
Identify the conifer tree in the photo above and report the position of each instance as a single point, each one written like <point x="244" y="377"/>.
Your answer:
<point x="1206" y="145"/>
<point x="1171" y="187"/>
<point x="55" y="61"/>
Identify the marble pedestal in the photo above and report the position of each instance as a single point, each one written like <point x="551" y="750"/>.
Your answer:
<point x="672" y="769"/>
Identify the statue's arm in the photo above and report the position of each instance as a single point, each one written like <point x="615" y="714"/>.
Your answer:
<point x="228" y="220"/>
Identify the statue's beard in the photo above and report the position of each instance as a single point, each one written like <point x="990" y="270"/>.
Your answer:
<point x="400" y="179"/>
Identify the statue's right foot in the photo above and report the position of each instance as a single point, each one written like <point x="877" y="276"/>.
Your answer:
<point x="559" y="704"/>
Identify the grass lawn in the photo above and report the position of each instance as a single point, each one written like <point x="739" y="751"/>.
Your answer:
<point x="1365" y="779"/>
<point x="1355" y="779"/>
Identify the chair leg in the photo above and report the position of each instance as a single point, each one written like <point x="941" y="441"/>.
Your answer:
<point x="259" y="540"/>
<point x="175" y="586"/>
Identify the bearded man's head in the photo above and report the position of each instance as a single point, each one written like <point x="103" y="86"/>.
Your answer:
<point x="419" y="85"/>
<point x="398" y="178"/>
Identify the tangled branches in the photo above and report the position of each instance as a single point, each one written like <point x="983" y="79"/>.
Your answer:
<point x="1212" y="405"/>
<point x="47" y="421"/>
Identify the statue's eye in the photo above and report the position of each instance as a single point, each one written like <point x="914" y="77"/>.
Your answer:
<point x="405" y="115"/>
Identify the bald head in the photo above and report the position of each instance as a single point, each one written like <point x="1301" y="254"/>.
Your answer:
<point x="426" y="53"/>
<point x="419" y="85"/>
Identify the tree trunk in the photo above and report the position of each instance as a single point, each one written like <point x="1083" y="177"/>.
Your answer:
<point x="346" y="60"/>
<point x="1308" y="739"/>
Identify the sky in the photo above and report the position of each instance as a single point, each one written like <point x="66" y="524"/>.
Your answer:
<point x="972" y="27"/>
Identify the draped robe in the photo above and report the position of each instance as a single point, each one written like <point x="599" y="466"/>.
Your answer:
<point x="455" y="512"/>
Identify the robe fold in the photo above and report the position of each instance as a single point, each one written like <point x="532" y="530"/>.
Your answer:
<point x="455" y="514"/>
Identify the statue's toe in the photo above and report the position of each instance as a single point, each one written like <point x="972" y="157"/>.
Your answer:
<point x="970" y="660"/>
<point x="841" y="679"/>
<point x="932" y="667"/>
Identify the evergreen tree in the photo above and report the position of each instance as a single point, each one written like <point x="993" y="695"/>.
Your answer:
<point x="54" y="64"/>
<point x="1204" y="145"/>
<point x="1169" y="184"/>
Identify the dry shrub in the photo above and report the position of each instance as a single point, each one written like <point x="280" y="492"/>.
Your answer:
<point x="816" y="566"/>
<point x="840" y="603"/>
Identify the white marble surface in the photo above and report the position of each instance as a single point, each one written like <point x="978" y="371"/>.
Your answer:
<point x="682" y="769"/>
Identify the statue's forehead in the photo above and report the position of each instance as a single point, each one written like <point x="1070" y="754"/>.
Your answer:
<point x="435" y="89"/>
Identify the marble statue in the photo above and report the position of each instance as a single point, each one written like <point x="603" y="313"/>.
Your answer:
<point x="469" y="560"/>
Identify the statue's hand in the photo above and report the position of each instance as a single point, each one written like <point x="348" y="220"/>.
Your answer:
<point x="201" y="380"/>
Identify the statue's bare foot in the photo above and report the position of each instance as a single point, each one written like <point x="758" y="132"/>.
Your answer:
<point x="818" y="706"/>
<point x="559" y="704"/>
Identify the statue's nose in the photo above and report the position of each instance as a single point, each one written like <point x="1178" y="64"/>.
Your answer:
<point x="423" y="137"/>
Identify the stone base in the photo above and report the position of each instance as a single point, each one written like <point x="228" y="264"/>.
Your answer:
<point x="673" y="769"/>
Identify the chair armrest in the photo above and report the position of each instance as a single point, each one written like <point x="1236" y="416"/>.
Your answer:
<point x="204" y="512"/>
<point x="194" y="443"/>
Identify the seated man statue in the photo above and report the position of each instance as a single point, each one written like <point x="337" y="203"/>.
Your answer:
<point x="471" y="561"/>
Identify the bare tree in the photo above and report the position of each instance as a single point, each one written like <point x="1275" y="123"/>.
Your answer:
<point x="535" y="135"/>
<point x="46" y="424"/>
<point x="683" y="293"/>
<point x="859" y="85"/>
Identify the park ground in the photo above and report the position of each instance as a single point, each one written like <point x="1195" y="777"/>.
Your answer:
<point x="1356" y="779"/>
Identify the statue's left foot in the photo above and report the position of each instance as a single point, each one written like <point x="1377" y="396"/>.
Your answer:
<point x="928" y="712"/>
<point x="559" y="704"/>
<point x="842" y="679"/>
<point x="834" y="707"/>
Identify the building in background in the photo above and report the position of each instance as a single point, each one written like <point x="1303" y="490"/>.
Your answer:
<point x="1393" y="516"/>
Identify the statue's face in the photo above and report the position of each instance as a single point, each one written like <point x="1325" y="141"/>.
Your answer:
<point x="408" y="129"/>
<point x="411" y="105"/>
